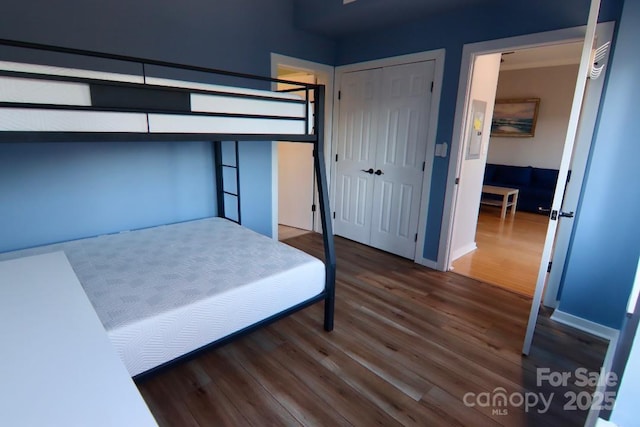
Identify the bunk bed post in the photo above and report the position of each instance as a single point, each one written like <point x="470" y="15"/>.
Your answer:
<point x="325" y="210"/>
<point x="238" y="205"/>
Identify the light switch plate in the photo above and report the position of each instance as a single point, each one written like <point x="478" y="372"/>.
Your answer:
<point x="441" y="149"/>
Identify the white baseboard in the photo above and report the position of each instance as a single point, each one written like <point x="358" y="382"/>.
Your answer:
<point x="601" y="387"/>
<point x="585" y="325"/>
<point x="426" y="262"/>
<point x="463" y="251"/>
<point x="601" y="331"/>
<point x="605" y="423"/>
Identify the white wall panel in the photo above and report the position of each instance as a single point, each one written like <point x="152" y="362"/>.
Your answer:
<point x="174" y="123"/>
<point x="35" y="91"/>
<point x="218" y="88"/>
<point x="32" y="120"/>
<point x="228" y="104"/>
<point x="69" y="72"/>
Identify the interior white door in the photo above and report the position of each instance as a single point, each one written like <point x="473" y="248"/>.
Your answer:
<point x="356" y="151"/>
<point x="295" y="173"/>
<point x="593" y="93"/>
<point x="403" y="119"/>
<point x="564" y="169"/>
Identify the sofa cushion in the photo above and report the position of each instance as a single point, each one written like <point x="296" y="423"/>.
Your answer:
<point x="489" y="173"/>
<point x="545" y="178"/>
<point x="513" y="175"/>
<point x="531" y="199"/>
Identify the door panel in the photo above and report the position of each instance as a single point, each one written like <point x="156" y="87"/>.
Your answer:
<point x="357" y="135"/>
<point x="593" y="93"/>
<point x="572" y="129"/>
<point x="403" y="125"/>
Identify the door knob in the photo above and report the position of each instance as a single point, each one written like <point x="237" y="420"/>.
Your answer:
<point x="566" y="214"/>
<point x="379" y="172"/>
<point x="369" y="171"/>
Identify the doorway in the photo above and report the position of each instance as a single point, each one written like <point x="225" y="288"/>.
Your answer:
<point x="505" y="250"/>
<point x="296" y="183"/>
<point x="294" y="188"/>
<point x="579" y="132"/>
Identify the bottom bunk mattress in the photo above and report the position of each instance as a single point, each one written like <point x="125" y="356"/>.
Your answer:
<point x="165" y="291"/>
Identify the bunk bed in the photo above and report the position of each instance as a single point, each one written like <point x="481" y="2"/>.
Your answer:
<point x="163" y="293"/>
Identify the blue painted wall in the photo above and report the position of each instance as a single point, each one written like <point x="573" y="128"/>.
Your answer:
<point x="65" y="191"/>
<point x="451" y="31"/>
<point x="605" y="246"/>
<point x="61" y="191"/>
<point x="237" y="35"/>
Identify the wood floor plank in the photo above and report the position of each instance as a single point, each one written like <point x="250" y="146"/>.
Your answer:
<point x="438" y="330"/>
<point x="391" y="400"/>
<point x="509" y="250"/>
<point x="445" y="369"/>
<point x="439" y="400"/>
<point x="211" y="407"/>
<point x="367" y="354"/>
<point x="408" y="344"/>
<point x="248" y="396"/>
<point x="294" y="395"/>
<point x="166" y="408"/>
<point x="330" y="388"/>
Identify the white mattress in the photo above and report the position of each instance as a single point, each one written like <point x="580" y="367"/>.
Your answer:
<point x="165" y="291"/>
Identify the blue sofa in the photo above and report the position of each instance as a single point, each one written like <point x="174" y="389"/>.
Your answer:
<point x="536" y="185"/>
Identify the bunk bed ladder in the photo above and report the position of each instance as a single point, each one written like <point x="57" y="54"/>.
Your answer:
<point x="224" y="192"/>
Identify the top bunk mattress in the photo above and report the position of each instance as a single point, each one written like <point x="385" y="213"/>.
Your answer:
<point x="165" y="291"/>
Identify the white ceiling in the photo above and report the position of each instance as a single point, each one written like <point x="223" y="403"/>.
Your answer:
<point x="548" y="56"/>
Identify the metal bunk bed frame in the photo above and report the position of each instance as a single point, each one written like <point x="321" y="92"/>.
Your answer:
<point x="315" y="137"/>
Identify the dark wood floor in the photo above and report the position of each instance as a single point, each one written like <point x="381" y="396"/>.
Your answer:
<point x="408" y="344"/>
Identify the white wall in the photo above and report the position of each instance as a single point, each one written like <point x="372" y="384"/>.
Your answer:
<point x="483" y="87"/>
<point x="554" y="86"/>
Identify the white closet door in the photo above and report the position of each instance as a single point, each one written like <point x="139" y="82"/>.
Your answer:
<point x="402" y="140"/>
<point x="357" y="137"/>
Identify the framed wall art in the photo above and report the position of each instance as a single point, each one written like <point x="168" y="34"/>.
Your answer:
<point x="515" y="117"/>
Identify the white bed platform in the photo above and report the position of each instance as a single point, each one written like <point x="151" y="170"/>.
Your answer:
<point x="165" y="291"/>
<point x="58" y="366"/>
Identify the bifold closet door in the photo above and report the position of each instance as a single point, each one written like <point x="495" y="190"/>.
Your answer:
<point x="403" y="120"/>
<point x="382" y="136"/>
<point x="356" y="151"/>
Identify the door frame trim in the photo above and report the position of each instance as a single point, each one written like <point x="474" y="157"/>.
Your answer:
<point x="469" y="52"/>
<point x="438" y="56"/>
<point x="315" y="68"/>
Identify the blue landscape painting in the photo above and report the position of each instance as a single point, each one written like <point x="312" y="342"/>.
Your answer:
<point x="514" y="117"/>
